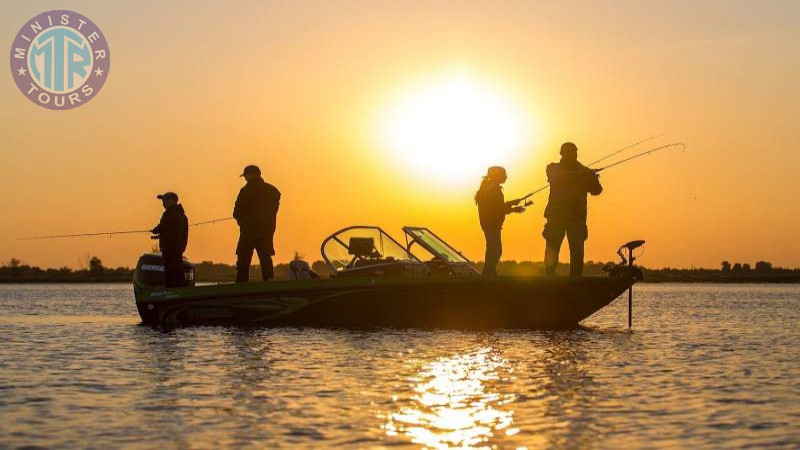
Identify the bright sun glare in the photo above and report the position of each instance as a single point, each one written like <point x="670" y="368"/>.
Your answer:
<point x="454" y="128"/>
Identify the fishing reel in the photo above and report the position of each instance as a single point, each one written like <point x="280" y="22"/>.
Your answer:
<point x="625" y="267"/>
<point x="526" y="202"/>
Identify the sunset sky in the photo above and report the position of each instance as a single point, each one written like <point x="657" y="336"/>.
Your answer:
<point x="317" y="92"/>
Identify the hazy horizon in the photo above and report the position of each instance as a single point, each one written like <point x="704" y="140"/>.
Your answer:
<point x="197" y="90"/>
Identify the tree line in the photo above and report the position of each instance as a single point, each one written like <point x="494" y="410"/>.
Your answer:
<point x="92" y="269"/>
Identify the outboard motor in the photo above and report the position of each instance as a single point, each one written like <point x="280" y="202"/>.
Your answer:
<point x="150" y="271"/>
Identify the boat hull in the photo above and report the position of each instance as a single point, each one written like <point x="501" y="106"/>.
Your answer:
<point x="429" y="302"/>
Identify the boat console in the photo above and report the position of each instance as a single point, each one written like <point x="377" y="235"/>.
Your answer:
<point x="368" y="251"/>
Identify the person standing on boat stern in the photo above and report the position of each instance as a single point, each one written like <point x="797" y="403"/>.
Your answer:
<point x="492" y="210"/>
<point x="570" y="182"/>
<point x="173" y="234"/>
<point x="255" y="211"/>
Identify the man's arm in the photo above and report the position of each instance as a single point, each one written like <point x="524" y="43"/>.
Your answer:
<point x="237" y="208"/>
<point x="552" y="174"/>
<point x="595" y="188"/>
<point x="184" y="237"/>
<point x="162" y="225"/>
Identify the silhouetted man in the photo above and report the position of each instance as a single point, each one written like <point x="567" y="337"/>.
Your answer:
<point x="255" y="212"/>
<point x="492" y="210"/>
<point x="173" y="234"/>
<point x="570" y="181"/>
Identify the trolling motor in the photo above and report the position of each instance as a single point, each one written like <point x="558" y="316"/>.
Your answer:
<point x="625" y="268"/>
<point x="630" y="246"/>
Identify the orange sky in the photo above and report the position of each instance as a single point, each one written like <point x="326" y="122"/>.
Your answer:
<point x="199" y="89"/>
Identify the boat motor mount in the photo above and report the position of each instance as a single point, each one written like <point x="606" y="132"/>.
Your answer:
<point x="150" y="271"/>
<point x="625" y="268"/>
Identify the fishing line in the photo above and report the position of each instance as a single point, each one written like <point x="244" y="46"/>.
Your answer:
<point x="114" y="233"/>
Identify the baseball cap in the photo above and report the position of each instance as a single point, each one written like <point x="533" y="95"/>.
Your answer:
<point x="168" y="195"/>
<point x="251" y="169"/>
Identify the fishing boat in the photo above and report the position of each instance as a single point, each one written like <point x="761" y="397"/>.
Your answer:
<point x="379" y="282"/>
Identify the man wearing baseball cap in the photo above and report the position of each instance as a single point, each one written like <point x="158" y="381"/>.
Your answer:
<point x="173" y="234"/>
<point x="255" y="211"/>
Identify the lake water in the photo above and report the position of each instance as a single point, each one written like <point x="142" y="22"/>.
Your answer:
<point x="706" y="366"/>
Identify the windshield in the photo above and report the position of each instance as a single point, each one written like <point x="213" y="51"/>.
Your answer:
<point x="433" y="244"/>
<point x="342" y="249"/>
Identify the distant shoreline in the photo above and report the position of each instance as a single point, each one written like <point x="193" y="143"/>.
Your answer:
<point x="752" y="279"/>
<point x="210" y="272"/>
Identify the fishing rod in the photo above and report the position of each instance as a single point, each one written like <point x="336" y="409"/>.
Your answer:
<point x="615" y="152"/>
<point x="211" y="221"/>
<point x="114" y="233"/>
<point x="625" y="148"/>
<point x="616" y="163"/>
<point x="639" y="155"/>
<point x="107" y="233"/>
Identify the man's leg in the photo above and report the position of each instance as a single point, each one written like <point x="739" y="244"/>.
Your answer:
<point x="553" y="235"/>
<point x="265" y="260"/>
<point x="180" y="278"/>
<point x="576" y="236"/>
<point x="244" y="255"/>
<point x="494" y="250"/>
<point x="170" y="269"/>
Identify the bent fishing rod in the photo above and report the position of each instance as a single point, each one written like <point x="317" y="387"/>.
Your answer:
<point x="615" y="152"/>
<point x="638" y="155"/>
<point x="625" y="148"/>
<point x="114" y="233"/>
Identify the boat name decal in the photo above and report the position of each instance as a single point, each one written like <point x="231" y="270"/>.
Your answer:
<point x="209" y="313"/>
<point x="163" y="294"/>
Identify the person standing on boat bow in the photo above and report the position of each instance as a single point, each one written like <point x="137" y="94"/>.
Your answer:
<point x="173" y="235"/>
<point x="492" y="211"/>
<point x="570" y="182"/>
<point x="255" y="211"/>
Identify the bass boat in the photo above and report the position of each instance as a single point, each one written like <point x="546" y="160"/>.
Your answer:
<point x="378" y="282"/>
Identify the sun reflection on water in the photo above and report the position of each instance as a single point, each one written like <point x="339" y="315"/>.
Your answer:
<point x="454" y="402"/>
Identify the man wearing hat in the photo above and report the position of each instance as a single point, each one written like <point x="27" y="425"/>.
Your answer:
<point x="173" y="234"/>
<point x="255" y="211"/>
<point x="570" y="181"/>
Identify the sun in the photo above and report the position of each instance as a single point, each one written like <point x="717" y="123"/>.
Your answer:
<point x="453" y="128"/>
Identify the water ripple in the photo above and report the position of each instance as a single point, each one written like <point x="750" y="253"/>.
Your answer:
<point x="706" y="366"/>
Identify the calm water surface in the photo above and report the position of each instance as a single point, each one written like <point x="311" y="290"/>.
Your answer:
<point x="706" y="366"/>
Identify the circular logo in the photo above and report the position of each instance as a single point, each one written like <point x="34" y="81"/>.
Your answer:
<point x="60" y="59"/>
